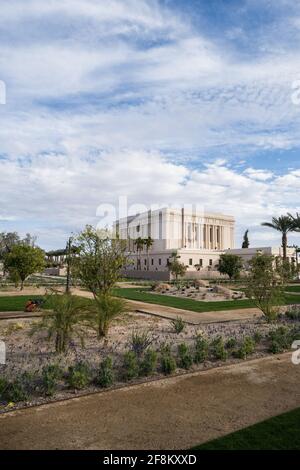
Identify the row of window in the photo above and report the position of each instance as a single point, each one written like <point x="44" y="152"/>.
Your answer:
<point x="200" y="264"/>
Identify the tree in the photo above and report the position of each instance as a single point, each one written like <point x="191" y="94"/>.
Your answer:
<point x="231" y="265"/>
<point x="246" y="242"/>
<point x="265" y="285"/>
<point x="176" y="268"/>
<point x="139" y="243"/>
<point x="24" y="260"/>
<point x="98" y="264"/>
<point x="148" y="242"/>
<point x="66" y="320"/>
<point x="296" y="222"/>
<point x="283" y="224"/>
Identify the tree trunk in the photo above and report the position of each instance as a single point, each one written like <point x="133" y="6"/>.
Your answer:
<point x="284" y="245"/>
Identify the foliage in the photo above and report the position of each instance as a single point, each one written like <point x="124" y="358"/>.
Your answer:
<point x="14" y="390"/>
<point x="280" y="339"/>
<point x="102" y="311"/>
<point x="246" y="348"/>
<point x="265" y="285"/>
<point x="231" y="265"/>
<point x="149" y="363"/>
<point x="130" y="365"/>
<point x="178" y="325"/>
<point x="231" y="344"/>
<point x="185" y="357"/>
<point x="65" y="321"/>
<point x="217" y="349"/>
<point x="50" y="376"/>
<point x="176" y="268"/>
<point x="139" y="342"/>
<point x="283" y="224"/>
<point x="105" y="377"/>
<point x="167" y="361"/>
<point x="78" y="375"/>
<point x="201" y="349"/>
<point x="246" y="242"/>
<point x="22" y="261"/>
<point x="293" y="313"/>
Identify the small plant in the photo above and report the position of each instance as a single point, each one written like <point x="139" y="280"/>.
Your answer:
<point x="78" y="376"/>
<point x="130" y="365"/>
<point x="149" y="363"/>
<point x="247" y="347"/>
<point x="231" y="343"/>
<point x="13" y="391"/>
<point x="257" y="337"/>
<point x="178" y="325"/>
<point x="201" y="349"/>
<point x="139" y="342"/>
<point x="185" y="357"/>
<point x="217" y="349"/>
<point x="105" y="377"/>
<point x="50" y="376"/>
<point x="293" y="313"/>
<point x="168" y="362"/>
<point x="281" y="340"/>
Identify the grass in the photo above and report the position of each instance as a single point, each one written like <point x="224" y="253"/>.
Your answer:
<point x="293" y="289"/>
<point x="15" y="303"/>
<point x="279" y="433"/>
<point x="189" y="304"/>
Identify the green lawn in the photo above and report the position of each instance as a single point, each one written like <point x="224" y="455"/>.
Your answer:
<point x="15" y="303"/>
<point x="279" y="433"/>
<point x="293" y="289"/>
<point x="189" y="304"/>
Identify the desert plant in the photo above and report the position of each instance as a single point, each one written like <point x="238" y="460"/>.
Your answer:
<point x="105" y="377"/>
<point x="293" y="313"/>
<point x="149" y="363"/>
<point x="130" y="365"/>
<point x="257" y="337"/>
<point x="102" y="311"/>
<point x="15" y="390"/>
<point x="178" y="325"/>
<point x="231" y="265"/>
<point x="201" y="349"/>
<point x="78" y="375"/>
<point x="185" y="357"/>
<point x="280" y="339"/>
<point x="139" y="342"/>
<point x="246" y="348"/>
<point x="50" y="376"/>
<point x="66" y="320"/>
<point x="231" y="343"/>
<point x="167" y="361"/>
<point x="217" y="349"/>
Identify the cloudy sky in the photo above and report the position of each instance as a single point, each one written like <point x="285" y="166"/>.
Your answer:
<point x="162" y="101"/>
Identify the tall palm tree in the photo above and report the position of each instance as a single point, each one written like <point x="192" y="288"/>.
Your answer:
<point x="139" y="243"/>
<point x="283" y="224"/>
<point x="296" y="221"/>
<point x="148" y="242"/>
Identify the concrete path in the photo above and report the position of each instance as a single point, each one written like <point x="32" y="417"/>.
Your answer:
<point x="174" y="413"/>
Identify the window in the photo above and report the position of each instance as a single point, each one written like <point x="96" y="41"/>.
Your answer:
<point x="201" y="262"/>
<point x="152" y="261"/>
<point x="159" y="261"/>
<point x="138" y="228"/>
<point x="145" y="262"/>
<point x="210" y="262"/>
<point x="191" y="261"/>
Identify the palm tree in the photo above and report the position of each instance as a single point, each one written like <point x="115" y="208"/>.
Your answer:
<point x="148" y="242"/>
<point x="139" y="243"/>
<point x="296" y="222"/>
<point x="283" y="224"/>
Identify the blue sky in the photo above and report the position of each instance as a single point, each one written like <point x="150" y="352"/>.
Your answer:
<point x="162" y="101"/>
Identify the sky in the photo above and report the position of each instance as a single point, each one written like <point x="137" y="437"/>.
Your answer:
<point x="160" y="101"/>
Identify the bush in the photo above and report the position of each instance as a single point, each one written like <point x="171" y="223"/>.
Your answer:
<point x="13" y="391"/>
<point x="281" y="339"/>
<point x="78" y="376"/>
<point x="185" y="357"/>
<point x="201" y="349"/>
<point x="105" y="377"/>
<point x="231" y="343"/>
<point x="293" y="313"/>
<point x="247" y="347"/>
<point x="178" y="325"/>
<point x="139" y="342"/>
<point x="217" y="349"/>
<point x="50" y="376"/>
<point x="167" y="361"/>
<point x="257" y="337"/>
<point x="149" y="363"/>
<point x="130" y="365"/>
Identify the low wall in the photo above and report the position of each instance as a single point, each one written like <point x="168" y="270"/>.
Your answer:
<point x="166" y="276"/>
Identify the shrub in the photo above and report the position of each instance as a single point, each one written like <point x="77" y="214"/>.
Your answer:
<point x="185" y="357"/>
<point x="149" y="363"/>
<point x="139" y="342"/>
<point x="130" y="365"/>
<point x="78" y="376"/>
<point x="282" y="338"/>
<point x="231" y="343"/>
<point x="293" y="313"/>
<point x="217" y="349"/>
<point x="50" y="376"/>
<point x="201" y="349"/>
<point x="257" y="337"/>
<point x="178" y="325"/>
<point x="247" y="347"/>
<point x="13" y="391"/>
<point x="105" y="377"/>
<point x="167" y="361"/>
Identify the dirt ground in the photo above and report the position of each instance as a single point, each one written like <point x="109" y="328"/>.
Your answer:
<point x="173" y="413"/>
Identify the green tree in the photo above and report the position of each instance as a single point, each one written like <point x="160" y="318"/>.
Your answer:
<point x="139" y="243"/>
<point x="283" y="224"/>
<point x="176" y="268"/>
<point x="148" y="242"/>
<point x="265" y="285"/>
<point x="231" y="265"/>
<point x="98" y="265"/>
<point x="23" y="260"/>
<point x="246" y="242"/>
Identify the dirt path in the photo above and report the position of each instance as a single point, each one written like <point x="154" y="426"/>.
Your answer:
<point x="173" y="413"/>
